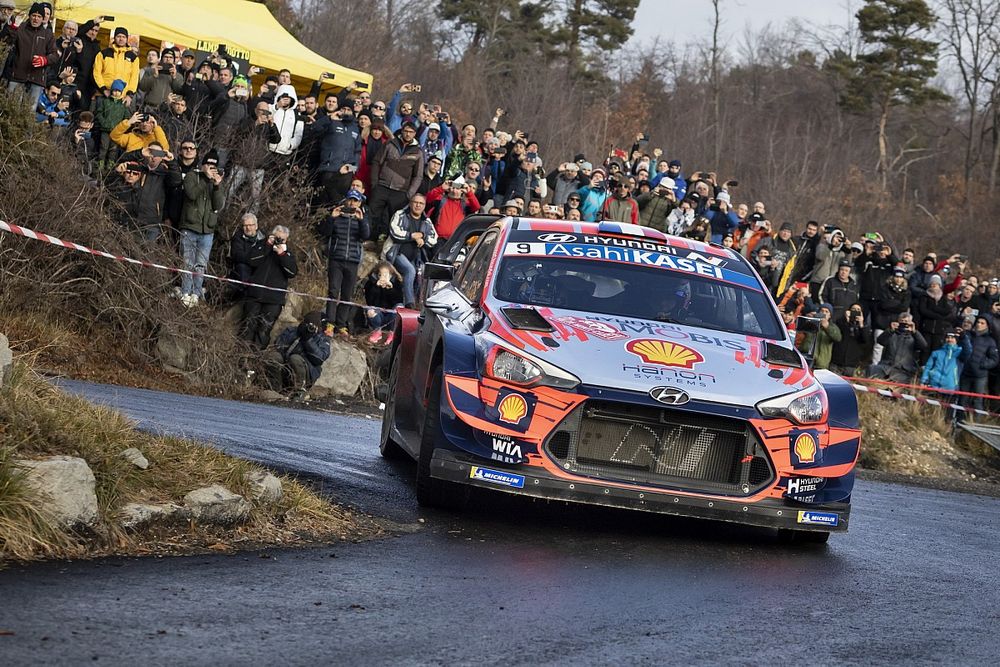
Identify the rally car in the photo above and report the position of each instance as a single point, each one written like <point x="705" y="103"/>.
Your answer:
<point x="612" y="364"/>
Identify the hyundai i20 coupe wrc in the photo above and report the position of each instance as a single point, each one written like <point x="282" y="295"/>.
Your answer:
<point x="611" y="364"/>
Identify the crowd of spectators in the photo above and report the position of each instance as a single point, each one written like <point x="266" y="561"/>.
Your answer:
<point x="397" y="178"/>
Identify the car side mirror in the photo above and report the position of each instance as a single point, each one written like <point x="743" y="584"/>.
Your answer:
<point x="807" y="324"/>
<point x="434" y="271"/>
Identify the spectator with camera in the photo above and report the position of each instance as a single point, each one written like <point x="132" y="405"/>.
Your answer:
<point x="204" y="197"/>
<point x="840" y="290"/>
<point x="721" y="217"/>
<point x="873" y="267"/>
<point x="117" y="62"/>
<point x="658" y="205"/>
<point x="563" y="182"/>
<point x="903" y="347"/>
<point x="139" y="131"/>
<point x="944" y="366"/>
<point x="893" y="297"/>
<point x="450" y="203"/>
<point x="829" y="253"/>
<point x="160" y="80"/>
<point x="593" y="196"/>
<point x="854" y="348"/>
<point x="285" y="119"/>
<point x="230" y="107"/>
<point x="620" y="206"/>
<point x="32" y="47"/>
<point x="69" y="46"/>
<point x="782" y="249"/>
<point x="759" y="231"/>
<point x="273" y="267"/>
<point x="296" y="360"/>
<point x="340" y="150"/>
<point x="47" y="110"/>
<point x="343" y="232"/>
<point x="937" y="314"/>
<point x="528" y="182"/>
<point x="159" y="174"/>
<point x="383" y="294"/>
<point x="435" y="142"/>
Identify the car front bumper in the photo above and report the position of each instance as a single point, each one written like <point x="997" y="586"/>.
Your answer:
<point x="536" y="483"/>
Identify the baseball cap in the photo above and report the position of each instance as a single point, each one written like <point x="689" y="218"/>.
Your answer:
<point x="434" y="126"/>
<point x="844" y="262"/>
<point x="8" y="4"/>
<point x="354" y="194"/>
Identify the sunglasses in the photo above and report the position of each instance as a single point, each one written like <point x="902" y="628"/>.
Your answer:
<point x="764" y="256"/>
<point x="379" y="107"/>
<point x="189" y="148"/>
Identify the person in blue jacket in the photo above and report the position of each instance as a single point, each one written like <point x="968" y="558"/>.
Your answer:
<point x="593" y="196"/>
<point x="944" y="367"/>
<point x="296" y="361"/>
<point x="721" y="217"/>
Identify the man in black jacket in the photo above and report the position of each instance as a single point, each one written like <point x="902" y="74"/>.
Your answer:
<point x="855" y="344"/>
<point x="343" y="231"/>
<point x="340" y="149"/>
<point x="298" y="355"/>
<point x="396" y="175"/>
<point x="903" y="346"/>
<point x="984" y="358"/>
<point x="246" y="243"/>
<point x="273" y="266"/>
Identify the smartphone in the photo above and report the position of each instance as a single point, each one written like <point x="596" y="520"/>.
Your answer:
<point x="872" y="236"/>
<point x="327" y="75"/>
<point x="86" y="135"/>
<point x="108" y="18"/>
<point x="441" y="116"/>
<point x="644" y="140"/>
<point x="417" y="88"/>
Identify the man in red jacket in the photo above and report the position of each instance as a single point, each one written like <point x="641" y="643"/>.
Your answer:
<point x="448" y="212"/>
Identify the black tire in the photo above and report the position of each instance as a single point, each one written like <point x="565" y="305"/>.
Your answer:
<point x="389" y="448"/>
<point x="435" y="492"/>
<point x="791" y="536"/>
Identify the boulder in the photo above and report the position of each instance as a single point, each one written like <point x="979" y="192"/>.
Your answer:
<point x="135" y="515"/>
<point x="173" y="351"/>
<point x="343" y="372"/>
<point x="65" y="485"/>
<point x="217" y="504"/>
<point x="368" y="261"/>
<point x="292" y="312"/>
<point x="270" y="396"/>
<point x="264" y="487"/>
<point x="6" y="360"/>
<point x="135" y="457"/>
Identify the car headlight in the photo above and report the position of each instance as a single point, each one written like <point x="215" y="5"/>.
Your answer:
<point x="506" y="365"/>
<point x="806" y="407"/>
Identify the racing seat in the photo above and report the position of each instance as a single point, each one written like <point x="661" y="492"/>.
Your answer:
<point x="576" y="292"/>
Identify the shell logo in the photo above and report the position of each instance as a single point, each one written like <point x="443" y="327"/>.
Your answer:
<point x="805" y="448"/>
<point x="665" y="353"/>
<point x="512" y="409"/>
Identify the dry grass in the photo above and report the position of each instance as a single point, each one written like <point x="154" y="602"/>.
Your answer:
<point x="38" y="420"/>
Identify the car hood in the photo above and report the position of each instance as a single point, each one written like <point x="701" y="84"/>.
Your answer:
<point x="638" y="355"/>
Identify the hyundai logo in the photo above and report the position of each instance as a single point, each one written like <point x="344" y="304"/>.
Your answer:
<point x="669" y="395"/>
<point x="557" y="238"/>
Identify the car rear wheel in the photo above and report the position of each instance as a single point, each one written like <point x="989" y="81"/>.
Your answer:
<point x="435" y="492"/>
<point x="790" y="536"/>
<point x="389" y="448"/>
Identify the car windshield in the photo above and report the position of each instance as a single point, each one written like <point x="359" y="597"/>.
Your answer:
<point x="638" y="292"/>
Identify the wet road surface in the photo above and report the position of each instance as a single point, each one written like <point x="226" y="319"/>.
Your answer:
<point x="916" y="581"/>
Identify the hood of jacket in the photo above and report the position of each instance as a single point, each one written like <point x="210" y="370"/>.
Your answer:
<point x="286" y="89"/>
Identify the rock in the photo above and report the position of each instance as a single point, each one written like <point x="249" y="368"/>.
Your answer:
<point x="342" y="373"/>
<point x="66" y="487"/>
<point x="134" y="515"/>
<point x="173" y="351"/>
<point x="6" y="360"/>
<point x="291" y="314"/>
<point x="217" y="504"/>
<point x="135" y="457"/>
<point x="368" y="261"/>
<point x="265" y="487"/>
<point x="270" y="396"/>
<point x="234" y="315"/>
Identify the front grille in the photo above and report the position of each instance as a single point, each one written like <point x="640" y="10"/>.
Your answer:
<point x="661" y="447"/>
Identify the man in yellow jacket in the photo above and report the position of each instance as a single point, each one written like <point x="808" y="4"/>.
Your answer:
<point x="138" y="132"/>
<point x="118" y="61"/>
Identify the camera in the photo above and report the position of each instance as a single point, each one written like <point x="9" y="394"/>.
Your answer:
<point x="143" y="117"/>
<point x="222" y="50"/>
<point x="441" y="116"/>
<point x="86" y="135"/>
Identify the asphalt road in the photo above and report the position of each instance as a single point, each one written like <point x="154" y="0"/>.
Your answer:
<point x="915" y="581"/>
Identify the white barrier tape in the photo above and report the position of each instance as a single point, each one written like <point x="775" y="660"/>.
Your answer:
<point x="888" y="393"/>
<point x="45" y="238"/>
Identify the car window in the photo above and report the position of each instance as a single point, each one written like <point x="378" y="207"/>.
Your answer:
<point x="630" y="291"/>
<point x="473" y="276"/>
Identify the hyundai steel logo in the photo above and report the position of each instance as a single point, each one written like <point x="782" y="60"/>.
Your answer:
<point x="557" y="238"/>
<point x="669" y="395"/>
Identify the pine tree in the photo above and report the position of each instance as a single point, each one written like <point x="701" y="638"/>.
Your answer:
<point x="895" y="67"/>
<point x="500" y="28"/>
<point x="593" y="27"/>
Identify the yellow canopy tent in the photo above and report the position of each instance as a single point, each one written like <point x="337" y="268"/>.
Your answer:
<point x="246" y="28"/>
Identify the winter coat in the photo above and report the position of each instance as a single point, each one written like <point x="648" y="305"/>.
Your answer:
<point x="920" y="280"/>
<point x="591" y="202"/>
<point x="902" y="349"/>
<point x="28" y="43"/>
<point x="440" y="146"/>
<point x="108" y="112"/>
<point x="653" y="210"/>
<point x="401" y="230"/>
<point x="873" y="271"/>
<point x="287" y="122"/>
<point x="943" y="368"/>
<point x="935" y="316"/>
<point x="369" y="149"/>
<point x="228" y="112"/>
<point x="838" y="294"/>
<point x="203" y="200"/>
<point x="679" y="221"/>
<point x="381" y="297"/>
<point x="562" y="187"/>
<point x="270" y="270"/>
<point x="680" y="184"/>
<point x="983" y="356"/>
<point x="721" y="223"/>
<point x="855" y="344"/>
<point x="157" y="86"/>
<point x="133" y="141"/>
<point x="828" y="261"/>
<point x="398" y="167"/>
<point x="621" y="209"/>
<point x="826" y="340"/>
<point x="805" y="260"/>
<point x="315" y="349"/>
<point x="527" y="186"/>
<point x="448" y="213"/>
<point x="117" y="63"/>
<point x="889" y="304"/>
<point x="459" y="158"/>
<point x="242" y="247"/>
<point x="343" y="236"/>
